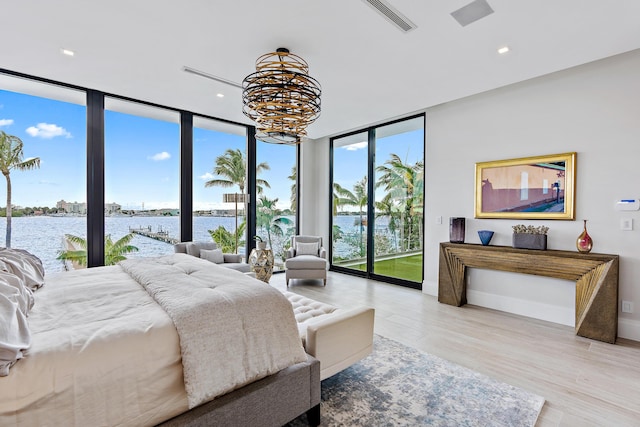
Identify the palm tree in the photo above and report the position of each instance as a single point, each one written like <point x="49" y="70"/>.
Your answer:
<point x="232" y="166"/>
<point x="268" y="218"/>
<point x="11" y="157"/>
<point x="294" y="187"/>
<point x="404" y="184"/>
<point x="226" y="240"/>
<point x="114" y="252"/>
<point x="359" y="197"/>
<point x="387" y="208"/>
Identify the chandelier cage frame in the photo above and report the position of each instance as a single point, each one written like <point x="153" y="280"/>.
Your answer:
<point x="281" y="97"/>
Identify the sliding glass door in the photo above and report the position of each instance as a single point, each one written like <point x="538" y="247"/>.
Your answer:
<point x="398" y="204"/>
<point x="378" y="202"/>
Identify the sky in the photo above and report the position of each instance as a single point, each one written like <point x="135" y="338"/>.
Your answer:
<point x="142" y="157"/>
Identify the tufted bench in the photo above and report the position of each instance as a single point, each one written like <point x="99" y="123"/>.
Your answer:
<point x="335" y="336"/>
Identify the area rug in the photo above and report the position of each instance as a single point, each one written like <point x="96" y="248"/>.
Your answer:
<point x="399" y="386"/>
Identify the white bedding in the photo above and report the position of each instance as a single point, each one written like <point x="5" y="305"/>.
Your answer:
<point x="103" y="354"/>
<point x="233" y="329"/>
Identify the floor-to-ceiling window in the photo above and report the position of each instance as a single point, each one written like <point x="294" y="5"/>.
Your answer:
<point x="48" y="174"/>
<point x="378" y="200"/>
<point x="220" y="188"/>
<point x="350" y="201"/>
<point x="276" y="183"/>
<point x="109" y="165"/>
<point x="142" y="180"/>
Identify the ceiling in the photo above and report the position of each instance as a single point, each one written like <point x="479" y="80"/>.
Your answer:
<point x="369" y="70"/>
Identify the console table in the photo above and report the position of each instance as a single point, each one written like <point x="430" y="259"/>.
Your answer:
<point x="596" y="277"/>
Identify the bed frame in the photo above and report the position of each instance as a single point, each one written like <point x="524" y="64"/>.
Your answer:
<point x="271" y="401"/>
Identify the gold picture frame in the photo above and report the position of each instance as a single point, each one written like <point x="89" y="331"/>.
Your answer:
<point x="539" y="187"/>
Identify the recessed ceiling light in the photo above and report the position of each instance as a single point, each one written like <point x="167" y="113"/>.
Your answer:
<point x="503" y="50"/>
<point x="220" y="95"/>
<point x="67" y="52"/>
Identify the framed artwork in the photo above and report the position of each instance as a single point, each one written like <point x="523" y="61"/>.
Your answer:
<point x="540" y="187"/>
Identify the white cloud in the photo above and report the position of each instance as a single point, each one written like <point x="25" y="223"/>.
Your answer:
<point x="160" y="156"/>
<point x="356" y="146"/>
<point x="6" y="122"/>
<point x="47" y="131"/>
<point x="207" y="176"/>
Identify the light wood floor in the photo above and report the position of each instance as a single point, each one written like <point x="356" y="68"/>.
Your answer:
<point x="584" y="382"/>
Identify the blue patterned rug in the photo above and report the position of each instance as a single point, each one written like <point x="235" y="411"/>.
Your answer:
<point x="400" y="386"/>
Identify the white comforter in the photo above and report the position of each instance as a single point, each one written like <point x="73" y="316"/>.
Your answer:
<point x="233" y="329"/>
<point x="104" y="353"/>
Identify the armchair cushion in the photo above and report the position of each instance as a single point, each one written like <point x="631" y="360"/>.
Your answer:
<point x="307" y="248"/>
<point x="213" y="255"/>
<point x="306" y="262"/>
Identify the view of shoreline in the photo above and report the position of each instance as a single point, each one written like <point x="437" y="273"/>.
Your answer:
<point x="43" y="235"/>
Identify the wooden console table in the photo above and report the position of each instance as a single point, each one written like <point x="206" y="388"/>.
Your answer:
<point x="596" y="277"/>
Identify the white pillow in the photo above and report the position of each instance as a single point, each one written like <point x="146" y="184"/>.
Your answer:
<point x="307" y="248"/>
<point x="23" y="264"/>
<point x="213" y="255"/>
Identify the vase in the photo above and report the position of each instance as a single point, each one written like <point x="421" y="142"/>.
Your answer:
<point x="485" y="236"/>
<point x="584" y="242"/>
<point x="261" y="263"/>
<point x="262" y="245"/>
<point x="456" y="230"/>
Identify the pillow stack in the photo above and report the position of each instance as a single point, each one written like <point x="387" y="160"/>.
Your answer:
<point x="20" y="274"/>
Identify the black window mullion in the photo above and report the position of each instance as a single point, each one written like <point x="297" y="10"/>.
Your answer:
<point x="250" y="208"/>
<point x="370" y="200"/>
<point x="186" y="176"/>
<point x="95" y="178"/>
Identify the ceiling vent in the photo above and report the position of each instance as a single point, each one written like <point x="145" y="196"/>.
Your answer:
<point x="475" y="10"/>
<point x="391" y="14"/>
<point x="210" y="76"/>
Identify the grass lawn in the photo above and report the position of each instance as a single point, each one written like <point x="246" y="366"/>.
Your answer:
<point x="407" y="268"/>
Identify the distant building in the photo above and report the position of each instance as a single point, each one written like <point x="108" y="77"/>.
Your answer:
<point x="81" y="208"/>
<point x="111" y="208"/>
<point x="72" y="208"/>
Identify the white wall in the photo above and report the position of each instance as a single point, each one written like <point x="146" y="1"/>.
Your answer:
<point x="594" y="110"/>
<point x="314" y="189"/>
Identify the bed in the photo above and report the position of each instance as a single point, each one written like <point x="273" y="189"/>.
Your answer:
<point x="133" y="345"/>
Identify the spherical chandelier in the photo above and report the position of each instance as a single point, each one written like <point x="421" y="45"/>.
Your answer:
<point x="281" y="97"/>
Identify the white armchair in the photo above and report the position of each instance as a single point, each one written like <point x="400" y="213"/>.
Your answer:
<point x="306" y="259"/>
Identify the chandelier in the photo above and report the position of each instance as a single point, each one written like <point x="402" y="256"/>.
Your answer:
<point x="281" y="97"/>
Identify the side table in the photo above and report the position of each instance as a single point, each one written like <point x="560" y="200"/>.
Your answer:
<point x="261" y="262"/>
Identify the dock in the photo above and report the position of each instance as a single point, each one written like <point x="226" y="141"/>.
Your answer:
<point x="160" y="235"/>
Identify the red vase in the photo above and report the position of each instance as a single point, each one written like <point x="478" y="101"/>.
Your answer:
<point x="584" y="242"/>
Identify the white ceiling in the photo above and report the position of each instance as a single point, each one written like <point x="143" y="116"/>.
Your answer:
<point x="369" y="70"/>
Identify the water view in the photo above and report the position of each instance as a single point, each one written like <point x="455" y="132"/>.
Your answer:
<point x="44" y="235"/>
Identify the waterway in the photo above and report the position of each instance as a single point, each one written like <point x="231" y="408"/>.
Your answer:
<point x="43" y="235"/>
